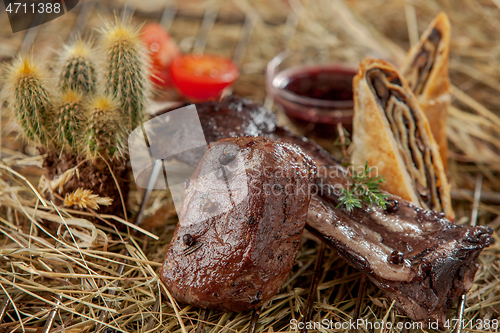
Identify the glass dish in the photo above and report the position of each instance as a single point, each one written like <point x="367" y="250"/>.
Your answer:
<point x="315" y="93"/>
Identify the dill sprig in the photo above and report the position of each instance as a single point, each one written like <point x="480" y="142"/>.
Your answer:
<point x="361" y="186"/>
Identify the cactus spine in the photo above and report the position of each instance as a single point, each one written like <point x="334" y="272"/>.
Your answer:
<point x="28" y="98"/>
<point x="78" y="118"/>
<point x="126" y="68"/>
<point x="70" y="121"/>
<point x="78" y="71"/>
<point x="87" y="118"/>
<point x="77" y="78"/>
<point x="105" y="129"/>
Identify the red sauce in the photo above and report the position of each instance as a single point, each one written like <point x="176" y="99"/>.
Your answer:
<point x="317" y="97"/>
<point x="325" y="83"/>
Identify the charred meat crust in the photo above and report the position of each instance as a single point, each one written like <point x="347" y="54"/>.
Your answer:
<point x="248" y="249"/>
<point x="436" y="258"/>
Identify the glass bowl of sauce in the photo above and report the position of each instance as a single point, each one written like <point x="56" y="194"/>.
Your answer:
<point x="315" y="94"/>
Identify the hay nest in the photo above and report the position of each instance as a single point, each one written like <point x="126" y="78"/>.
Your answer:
<point x="81" y="276"/>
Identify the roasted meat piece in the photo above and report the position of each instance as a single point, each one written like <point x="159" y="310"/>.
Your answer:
<point x="417" y="257"/>
<point x="239" y="231"/>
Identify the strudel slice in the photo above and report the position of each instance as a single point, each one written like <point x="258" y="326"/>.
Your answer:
<point x="392" y="133"/>
<point x="426" y="71"/>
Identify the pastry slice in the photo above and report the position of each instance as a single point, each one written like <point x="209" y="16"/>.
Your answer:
<point x="426" y="71"/>
<point x="392" y="133"/>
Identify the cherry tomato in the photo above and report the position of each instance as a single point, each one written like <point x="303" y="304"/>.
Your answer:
<point x="162" y="50"/>
<point x="203" y="77"/>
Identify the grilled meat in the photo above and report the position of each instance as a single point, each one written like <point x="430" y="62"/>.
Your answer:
<point x="241" y="223"/>
<point x="417" y="257"/>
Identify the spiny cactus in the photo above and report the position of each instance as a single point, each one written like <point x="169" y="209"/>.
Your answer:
<point x="28" y="98"/>
<point x="81" y="116"/>
<point x="77" y="69"/>
<point x="105" y="135"/>
<point x="70" y="121"/>
<point x="126" y="71"/>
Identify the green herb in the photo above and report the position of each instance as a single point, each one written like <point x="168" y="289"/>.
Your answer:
<point x="361" y="187"/>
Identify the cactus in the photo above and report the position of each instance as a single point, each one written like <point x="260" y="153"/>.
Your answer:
<point x="77" y="69"/>
<point x="79" y="125"/>
<point x="70" y="122"/>
<point x="28" y="98"/>
<point x="105" y="134"/>
<point x="126" y="68"/>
